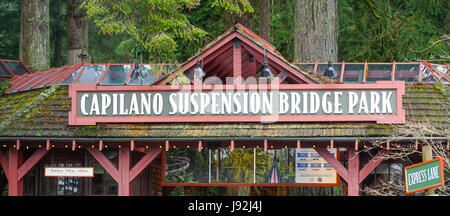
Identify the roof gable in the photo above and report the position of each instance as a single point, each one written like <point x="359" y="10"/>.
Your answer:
<point x="239" y="51"/>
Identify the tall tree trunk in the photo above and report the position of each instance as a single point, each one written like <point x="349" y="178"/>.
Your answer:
<point x="246" y="19"/>
<point x="77" y="31"/>
<point x="57" y="58"/>
<point x="316" y="30"/>
<point x="34" y="34"/>
<point x="264" y="20"/>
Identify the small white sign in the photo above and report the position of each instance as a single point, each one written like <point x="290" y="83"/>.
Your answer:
<point x="311" y="168"/>
<point x="69" y="172"/>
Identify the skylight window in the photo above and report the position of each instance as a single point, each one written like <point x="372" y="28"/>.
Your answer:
<point x="407" y="72"/>
<point x="376" y="72"/>
<point x="91" y="74"/>
<point x="116" y="74"/>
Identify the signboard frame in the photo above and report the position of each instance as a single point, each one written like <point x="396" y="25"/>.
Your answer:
<point x="311" y="150"/>
<point x="441" y="171"/>
<point x="46" y="175"/>
<point x="397" y="118"/>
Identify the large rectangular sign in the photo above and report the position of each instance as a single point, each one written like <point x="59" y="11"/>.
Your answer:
<point x="311" y="168"/>
<point x="380" y="102"/>
<point x="425" y="175"/>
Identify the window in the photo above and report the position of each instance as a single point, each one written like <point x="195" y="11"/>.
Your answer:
<point x="71" y="78"/>
<point x="16" y="67"/>
<point x="353" y="73"/>
<point x="116" y="74"/>
<point x="4" y="71"/>
<point x="147" y="76"/>
<point x="428" y="76"/>
<point x="407" y="72"/>
<point x="378" y="72"/>
<point x="91" y="74"/>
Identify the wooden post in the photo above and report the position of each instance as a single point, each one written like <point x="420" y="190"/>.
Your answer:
<point x="353" y="172"/>
<point x="15" y="185"/>
<point x="124" y="172"/>
<point x="237" y="61"/>
<point x="427" y="154"/>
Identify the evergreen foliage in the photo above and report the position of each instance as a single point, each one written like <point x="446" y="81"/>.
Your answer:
<point x="393" y="30"/>
<point x="173" y="30"/>
<point x="9" y="28"/>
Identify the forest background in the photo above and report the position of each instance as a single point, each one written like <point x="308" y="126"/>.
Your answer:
<point x="174" y="30"/>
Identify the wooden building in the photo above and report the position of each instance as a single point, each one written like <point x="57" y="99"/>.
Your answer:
<point x="46" y="122"/>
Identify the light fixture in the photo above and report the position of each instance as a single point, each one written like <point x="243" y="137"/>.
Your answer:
<point x="137" y="74"/>
<point x="330" y="72"/>
<point x="198" y="71"/>
<point x="265" y="72"/>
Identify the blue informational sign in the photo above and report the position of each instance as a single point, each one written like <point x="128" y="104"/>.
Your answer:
<point x="311" y="168"/>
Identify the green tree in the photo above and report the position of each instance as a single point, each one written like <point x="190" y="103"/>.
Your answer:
<point x="9" y="28"/>
<point x="155" y="26"/>
<point x="393" y="30"/>
<point x="159" y="29"/>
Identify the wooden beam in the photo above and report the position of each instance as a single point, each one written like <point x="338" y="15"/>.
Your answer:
<point x="100" y="145"/>
<point x="74" y="145"/>
<point x="106" y="164"/>
<point x="167" y="145"/>
<point x="48" y="145"/>
<point x="237" y="59"/>
<point x="222" y="52"/>
<point x="132" y="146"/>
<point x="340" y="169"/>
<point x="200" y="146"/>
<point x="372" y="164"/>
<point x="31" y="162"/>
<point x="251" y="71"/>
<point x="209" y="67"/>
<point x="265" y="145"/>
<point x="17" y="145"/>
<point x="259" y="57"/>
<point x="144" y="162"/>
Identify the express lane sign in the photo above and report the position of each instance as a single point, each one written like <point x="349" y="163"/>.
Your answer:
<point x="424" y="175"/>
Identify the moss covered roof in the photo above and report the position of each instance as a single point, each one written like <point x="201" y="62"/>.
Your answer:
<point x="44" y="113"/>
